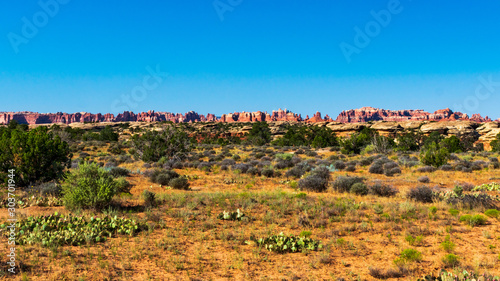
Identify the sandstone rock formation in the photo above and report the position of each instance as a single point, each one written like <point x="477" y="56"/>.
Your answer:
<point x="32" y="118"/>
<point x="366" y="114"/>
<point x="361" y="115"/>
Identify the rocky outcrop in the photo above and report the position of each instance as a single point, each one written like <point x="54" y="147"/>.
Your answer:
<point x="366" y="114"/>
<point x="259" y="116"/>
<point x="361" y="115"/>
<point x="450" y="127"/>
<point x="32" y="118"/>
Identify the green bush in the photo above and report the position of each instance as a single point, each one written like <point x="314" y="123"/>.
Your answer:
<point x="434" y="155"/>
<point x="452" y="144"/>
<point x="268" y="172"/>
<point x="149" y="199"/>
<point x="316" y="181"/>
<point x="409" y="141"/>
<point x="382" y="190"/>
<point x="89" y="186"/>
<point x="357" y="141"/>
<point x="107" y="134"/>
<point x="344" y="183"/>
<point x="454" y="212"/>
<point x="473" y="220"/>
<point x="179" y="183"/>
<point x="492" y="213"/>
<point x="117" y="172"/>
<point x="122" y="185"/>
<point x="163" y="177"/>
<point x="359" y="189"/>
<point x="414" y="241"/>
<point x="451" y="260"/>
<point x="36" y="155"/>
<point x="447" y="244"/>
<point x="408" y="256"/>
<point x="422" y="194"/>
<point x="495" y="144"/>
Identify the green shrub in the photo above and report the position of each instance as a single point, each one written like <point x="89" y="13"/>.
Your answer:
<point x="284" y="156"/>
<point x="356" y="142"/>
<point x="268" y="172"/>
<point x="89" y="186"/>
<point x="344" y="183"/>
<point x="452" y="144"/>
<point x="107" y="134"/>
<point x="492" y="213"/>
<point x="434" y="155"/>
<point x="305" y="233"/>
<point x="454" y="212"/>
<point x="408" y="256"/>
<point x="163" y="177"/>
<point x="409" y="140"/>
<point x="495" y="144"/>
<point x="451" y="260"/>
<point x="473" y="220"/>
<point x="179" y="183"/>
<point x="414" y="241"/>
<point x="421" y="194"/>
<point x="316" y="181"/>
<point x="382" y="190"/>
<point x="359" y="189"/>
<point x="149" y="199"/>
<point x="122" y="185"/>
<point x="447" y="244"/>
<point x="119" y="172"/>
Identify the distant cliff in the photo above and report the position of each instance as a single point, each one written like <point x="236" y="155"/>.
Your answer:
<point x="364" y="114"/>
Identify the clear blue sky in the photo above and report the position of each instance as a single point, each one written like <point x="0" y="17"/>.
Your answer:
<point x="257" y="55"/>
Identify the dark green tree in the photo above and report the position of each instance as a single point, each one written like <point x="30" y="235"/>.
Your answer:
<point x="314" y="136"/>
<point x="357" y="141"/>
<point x="495" y="144"/>
<point x="171" y="143"/>
<point x="36" y="155"/>
<point x="107" y="134"/>
<point x="260" y="134"/>
<point x="434" y="137"/>
<point x="452" y="144"/>
<point x="409" y="141"/>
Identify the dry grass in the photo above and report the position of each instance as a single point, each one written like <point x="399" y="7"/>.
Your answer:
<point x="361" y="235"/>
